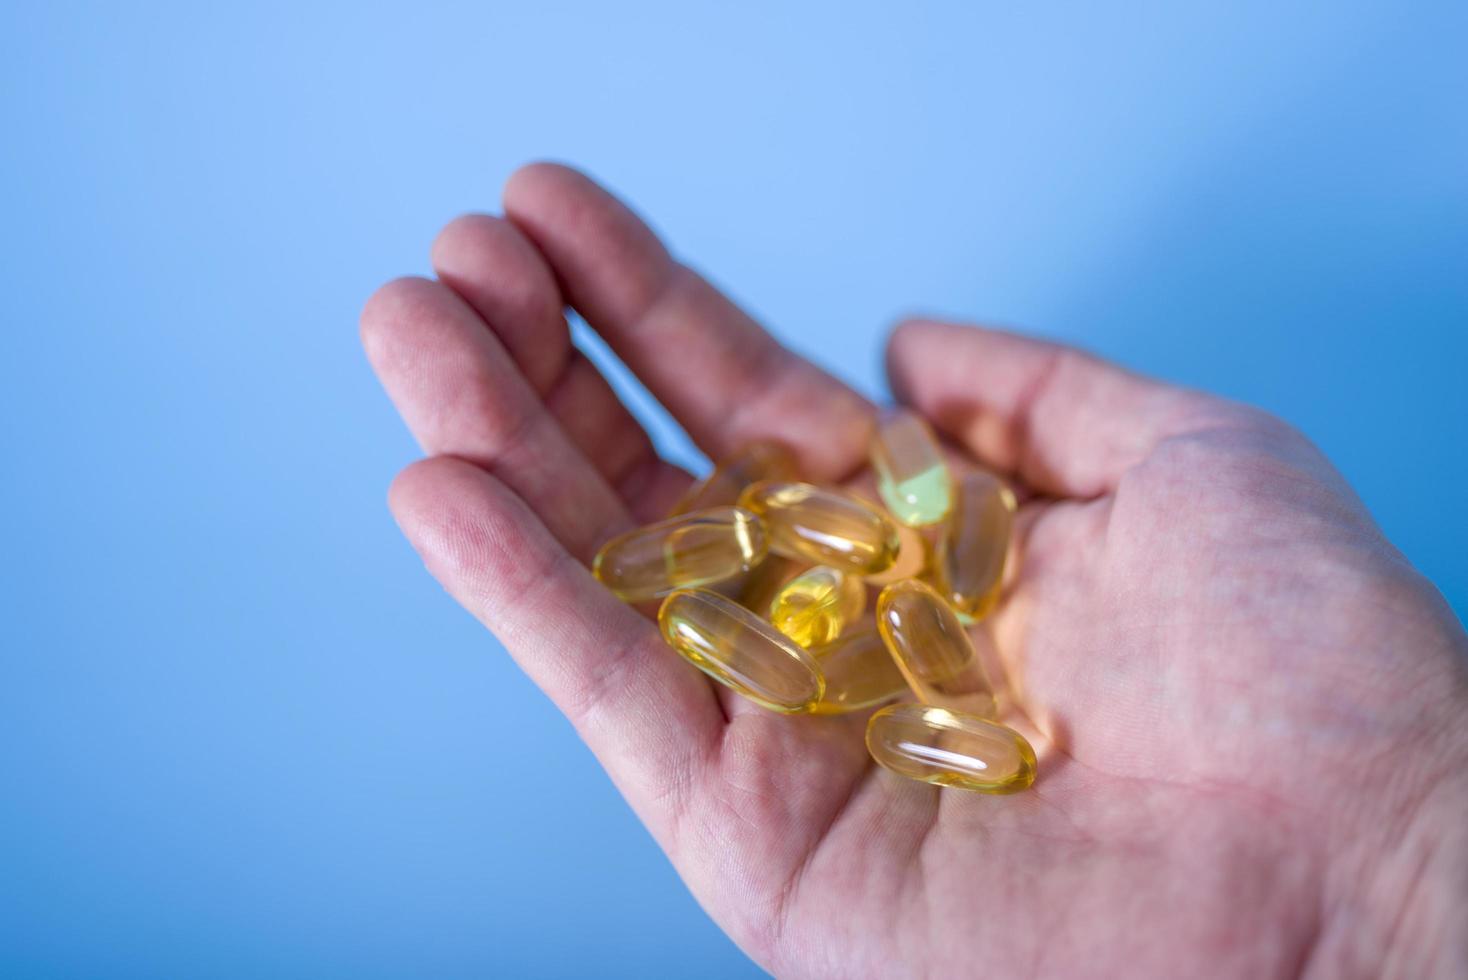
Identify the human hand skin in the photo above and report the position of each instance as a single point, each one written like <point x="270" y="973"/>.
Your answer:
<point x="1251" y="713"/>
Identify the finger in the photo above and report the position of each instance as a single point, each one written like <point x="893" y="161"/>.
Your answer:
<point x="650" y="719"/>
<point x="724" y="378"/>
<point x="460" y="394"/>
<point x="1067" y="423"/>
<point x="498" y="272"/>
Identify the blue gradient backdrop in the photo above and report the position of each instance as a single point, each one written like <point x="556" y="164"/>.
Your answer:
<point x="245" y="733"/>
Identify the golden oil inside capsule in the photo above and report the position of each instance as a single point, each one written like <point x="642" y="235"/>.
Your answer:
<point x="925" y="638"/>
<point x="968" y="566"/>
<point x="762" y="460"/>
<point x="826" y="527"/>
<point x="914" y="558"/>
<point x="757" y="588"/>
<point x="912" y="477"/>
<point x="859" y="672"/>
<point x="690" y="550"/>
<point x="737" y="648"/>
<point x="950" y="748"/>
<point x="815" y="606"/>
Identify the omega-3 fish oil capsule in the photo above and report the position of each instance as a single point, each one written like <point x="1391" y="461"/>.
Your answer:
<point x="738" y="649"/>
<point x="931" y="648"/>
<point x="968" y="566"/>
<point x="912" y="476"/>
<point x="823" y="526"/>
<point x="914" y="558"/>
<point x="859" y="672"/>
<point x="950" y="748"/>
<point x="815" y="606"/>
<point x="689" y="550"/>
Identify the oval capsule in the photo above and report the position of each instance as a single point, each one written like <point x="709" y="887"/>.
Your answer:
<point x="912" y="476"/>
<point x="950" y="748"/>
<point x="914" y="558"/>
<point x="827" y="527"/>
<point x="757" y="588"/>
<point x="968" y="566"/>
<point x="690" y="550"/>
<point x="931" y="648"/>
<point x="814" y="607"/>
<point x="859" y="673"/>
<point x="738" y="649"/>
<point x="761" y="460"/>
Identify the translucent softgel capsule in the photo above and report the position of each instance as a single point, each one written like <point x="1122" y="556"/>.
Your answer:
<point x="757" y="461"/>
<point x="912" y="477"/>
<point x="692" y="549"/>
<point x="914" y="557"/>
<point x="826" y="527"/>
<point x="756" y="589"/>
<point x="968" y="566"/>
<point x="859" y="672"/>
<point x="815" y="606"/>
<point x="737" y="648"/>
<point x="925" y="638"/>
<point x="950" y="748"/>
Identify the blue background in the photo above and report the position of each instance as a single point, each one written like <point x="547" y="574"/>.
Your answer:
<point x="244" y="732"/>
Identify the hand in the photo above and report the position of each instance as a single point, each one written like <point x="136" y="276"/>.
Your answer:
<point x="1249" y="709"/>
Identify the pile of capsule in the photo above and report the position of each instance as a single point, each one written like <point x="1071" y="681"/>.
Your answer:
<point x="764" y="582"/>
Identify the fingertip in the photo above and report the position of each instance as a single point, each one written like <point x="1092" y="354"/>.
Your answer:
<point x="466" y="526"/>
<point x="610" y="263"/>
<point x="542" y="180"/>
<point x="565" y="211"/>
<point x="462" y="234"/>
<point x="907" y="343"/>
<point x="418" y="489"/>
<point x="492" y="265"/>
<point x="913" y="325"/>
<point x="921" y="334"/>
<point x="489" y="262"/>
<point x="406" y="489"/>
<point x="393" y="303"/>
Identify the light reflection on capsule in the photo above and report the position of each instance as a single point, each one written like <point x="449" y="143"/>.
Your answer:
<point x="738" y="649"/>
<point x="950" y="748"/>
<point x="689" y="550"/>
<point x="968" y="564"/>
<point x="823" y="526"/>
<point x="932" y="649"/>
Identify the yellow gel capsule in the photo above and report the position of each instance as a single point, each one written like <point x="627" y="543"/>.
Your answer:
<point x="763" y="460"/>
<point x="912" y="477"/>
<point x="925" y="638"/>
<point x="827" y="527"/>
<point x="950" y="748"/>
<point x="757" y="588"/>
<point x="968" y="566"/>
<point x="859" y="673"/>
<point x="815" y="606"/>
<point x="914" y="556"/>
<point x="738" y="649"/>
<point x="694" y="549"/>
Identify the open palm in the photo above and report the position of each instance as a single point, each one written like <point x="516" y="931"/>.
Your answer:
<point x="1248" y="708"/>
